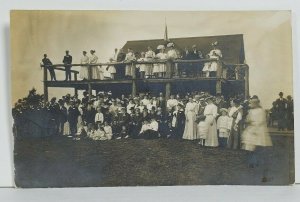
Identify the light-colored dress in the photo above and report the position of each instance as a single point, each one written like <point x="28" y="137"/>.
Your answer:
<point x="84" y="70"/>
<point x="142" y="67"/>
<point x="202" y="130"/>
<point x="190" y="129"/>
<point x="215" y="54"/>
<point x="256" y="133"/>
<point x="130" y="68"/>
<point x="211" y="112"/>
<point x="94" y="69"/>
<point x="162" y="66"/>
<point x="149" y="56"/>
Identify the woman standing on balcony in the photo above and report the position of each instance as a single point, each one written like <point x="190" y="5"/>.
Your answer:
<point x="215" y="66"/>
<point x="94" y="69"/>
<point x="149" y="56"/>
<point x="130" y="68"/>
<point x="162" y="56"/>
<point x="84" y="71"/>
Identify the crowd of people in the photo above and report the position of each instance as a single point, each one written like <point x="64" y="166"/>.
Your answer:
<point x="139" y="70"/>
<point x="282" y="112"/>
<point x="210" y="120"/>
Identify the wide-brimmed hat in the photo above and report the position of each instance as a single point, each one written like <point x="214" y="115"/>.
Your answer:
<point x="159" y="47"/>
<point x="170" y="45"/>
<point x="194" y="46"/>
<point x="215" y="43"/>
<point x="223" y="110"/>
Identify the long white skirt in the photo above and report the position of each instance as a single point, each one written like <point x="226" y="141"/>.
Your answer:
<point x="84" y="72"/>
<point x="95" y="72"/>
<point x="212" y="136"/>
<point x="190" y="129"/>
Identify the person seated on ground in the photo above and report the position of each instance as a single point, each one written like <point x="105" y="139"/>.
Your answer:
<point x="81" y="132"/>
<point x="145" y="128"/>
<point x="202" y="129"/>
<point x="123" y="133"/>
<point x="98" y="134"/>
<point x="108" y="130"/>
<point x="90" y="130"/>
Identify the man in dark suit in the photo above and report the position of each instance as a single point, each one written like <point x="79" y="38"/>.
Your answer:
<point x="62" y="116"/>
<point x="73" y="114"/>
<point x="67" y="62"/>
<point x="195" y="55"/>
<point x="46" y="61"/>
<point x="281" y="105"/>
<point x="120" y="67"/>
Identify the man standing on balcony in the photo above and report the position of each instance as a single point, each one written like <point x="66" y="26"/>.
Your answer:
<point x="195" y="55"/>
<point x="46" y="61"/>
<point x="67" y="62"/>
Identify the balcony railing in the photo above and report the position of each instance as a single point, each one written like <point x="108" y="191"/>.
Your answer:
<point x="174" y="69"/>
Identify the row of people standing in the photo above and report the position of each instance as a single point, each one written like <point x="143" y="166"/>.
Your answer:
<point x="153" y="70"/>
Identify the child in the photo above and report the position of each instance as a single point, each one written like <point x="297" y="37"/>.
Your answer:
<point x="108" y="130"/>
<point x="99" y="134"/>
<point x="142" y="67"/>
<point x="90" y="130"/>
<point x="202" y="130"/>
<point x="81" y="131"/>
<point x="224" y="126"/>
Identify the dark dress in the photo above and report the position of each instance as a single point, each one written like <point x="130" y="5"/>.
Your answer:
<point x="281" y="112"/>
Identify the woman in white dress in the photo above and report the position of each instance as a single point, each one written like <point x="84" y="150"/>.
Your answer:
<point x="211" y="112"/>
<point x="190" y="129"/>
<point x="130" y="68"/>
<point x="215" y="66"/>
<point x="84" y="70"/>
<point x="149" y="56"/>
<point x="256" y="137"/>
<point x="162" y="55"/>
<point x="111" y="70"/>
<point x="94" y="69"/>
<point x="142" y="67"/>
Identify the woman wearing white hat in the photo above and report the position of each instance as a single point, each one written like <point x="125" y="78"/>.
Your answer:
<point x="215" y="66"/>
<point x="173" y="55"/>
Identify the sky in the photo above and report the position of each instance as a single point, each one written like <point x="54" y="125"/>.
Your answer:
<point x="267" y="41"/>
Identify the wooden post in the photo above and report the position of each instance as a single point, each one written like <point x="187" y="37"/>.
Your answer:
<point x="169" y="69"/>
<point x="90" y="90"/>
<point x="168" y="90"/>
<point x="219" y="86"/>
<point x="246" y="81"/>
<point x="90" y="72"/>
<point x="45" y="84"/>
<point x="75" y="91"/>
<point x="133" y="89"/>
<point x="75" y="76"/>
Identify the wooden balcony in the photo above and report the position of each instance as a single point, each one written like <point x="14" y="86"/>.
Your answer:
<point x="229" y="73"/>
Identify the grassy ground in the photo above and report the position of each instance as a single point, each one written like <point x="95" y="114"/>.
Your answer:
<point x="62" y="162"/>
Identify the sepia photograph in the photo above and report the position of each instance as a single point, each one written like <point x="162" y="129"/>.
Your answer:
<point x="152" y="98"/>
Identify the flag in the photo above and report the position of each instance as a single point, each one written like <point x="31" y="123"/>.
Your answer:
<point x="166" y="33"/>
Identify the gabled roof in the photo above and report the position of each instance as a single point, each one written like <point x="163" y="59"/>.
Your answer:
<point x="232" y="46"/>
